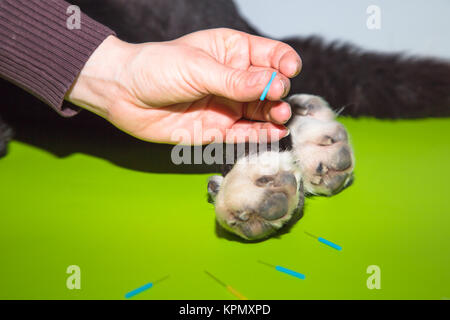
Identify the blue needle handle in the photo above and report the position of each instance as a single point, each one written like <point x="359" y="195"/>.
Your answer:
<point x="290" y="272"/>
<point x="329" y="243"/>
<point x="138" y="290"/>
<point x="266" y="89"/>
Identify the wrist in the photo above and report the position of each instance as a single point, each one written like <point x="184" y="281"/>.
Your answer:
<point x="99" y="84"/>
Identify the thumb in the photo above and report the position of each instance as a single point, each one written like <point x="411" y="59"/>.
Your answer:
<point x="244" y="85"/>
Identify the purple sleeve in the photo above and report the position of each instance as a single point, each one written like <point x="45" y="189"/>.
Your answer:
<point x="40" y="53"/>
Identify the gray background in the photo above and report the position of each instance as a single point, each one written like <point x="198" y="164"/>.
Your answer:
<point x="412" y="26"/>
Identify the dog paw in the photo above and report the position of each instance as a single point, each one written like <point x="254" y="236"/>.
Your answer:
<point x="320" y="146"/>
<point x="327" y="168"/>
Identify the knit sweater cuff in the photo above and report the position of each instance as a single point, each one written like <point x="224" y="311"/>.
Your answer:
<point x="42" y="48"/>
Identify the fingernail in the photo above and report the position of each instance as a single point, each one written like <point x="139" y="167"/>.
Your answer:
<point x="299" y="68"/>
<point x="290" y="116"/>
<point x="287" y="133"/>
<point x="297" y="71"/>
<point x="286" y="119"/>
<point x="285" y="85"/>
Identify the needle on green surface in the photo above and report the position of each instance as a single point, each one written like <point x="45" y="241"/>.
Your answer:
<point x="284" y="270"/>
<point x="144" y="287"/>
<point x="228" y="287"/>
<point x="325" y="241"/>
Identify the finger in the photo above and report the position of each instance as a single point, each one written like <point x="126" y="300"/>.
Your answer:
<point x="257" y="132"/>
<point x="262" y="52"/>
<point x="278" y="112"/>
<point x="274" y="54"/>
<point x="242" y="85"/>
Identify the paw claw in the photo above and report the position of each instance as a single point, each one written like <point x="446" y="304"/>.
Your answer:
<point x="316" y="180"/>
<point x="244" y="216"/>
<point x="301" y="110"/>
<point x="327" y="141"/>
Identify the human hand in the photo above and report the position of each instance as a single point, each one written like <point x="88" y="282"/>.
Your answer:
<point x="214" y="77"/>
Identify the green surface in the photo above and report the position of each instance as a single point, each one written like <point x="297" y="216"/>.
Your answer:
<point x="125" y="228"/>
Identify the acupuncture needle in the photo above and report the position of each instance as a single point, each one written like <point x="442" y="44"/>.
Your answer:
<point x="325" y="241"/>
<point x="284" y="270"/>
<point x="228" y="287"/>
<point x="265" y="92"/>
<point x="144" y="287"/>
